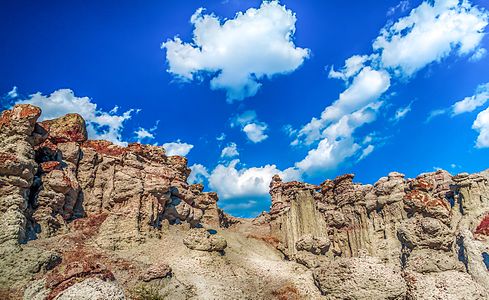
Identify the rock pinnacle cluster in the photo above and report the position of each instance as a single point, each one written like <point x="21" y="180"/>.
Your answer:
<point x="87" y="219"/>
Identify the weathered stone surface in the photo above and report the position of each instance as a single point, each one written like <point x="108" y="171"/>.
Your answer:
<point x="93" y="289"/>
<point x="68" y="128"/>
<point x="156" y="271"/>
<point x="360" y="278"/>
<point x="138" y="184"/>
<point x="429" y="228"/>
<point x="94" y="213"/>
<point x="201" y="239"/>
<point x="17" y="168"/>
<point x="448" y="285"/>
<point x="313" y="244"/>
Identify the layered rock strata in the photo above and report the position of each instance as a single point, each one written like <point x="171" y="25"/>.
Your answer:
<point x="412" y="234"/>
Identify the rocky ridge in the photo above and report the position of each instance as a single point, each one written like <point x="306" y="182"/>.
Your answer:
<point x="93" y="220"/>
<point x="421" y="238"/>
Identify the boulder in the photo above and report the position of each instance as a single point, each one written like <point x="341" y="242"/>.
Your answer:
<point x="156" y="271"/>
<point x="201" y="239"/>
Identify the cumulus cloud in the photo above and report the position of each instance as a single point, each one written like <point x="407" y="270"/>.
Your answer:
<point x="198" y="174"/>
<point x="254" y="129"/>
<point x="230" y="151"/>
<point x="238" y="52"/>
<point x="256" y="132"/>
<point x="231" y="181"/>
<point x="352" y="66"/>
<point x="100" y="124"/>
<point x="430" y="33"/>
<point x="177" y="148"/>
<point x="478" y="55"/>
<point x="143" y="134"/>
<point x="469" y="104"/>
<point x="327" y="155"/>
<point x="481" y="124"/>
<point x="366" y="88"/>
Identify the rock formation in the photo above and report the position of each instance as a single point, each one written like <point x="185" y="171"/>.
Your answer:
<point x="84" y="219"/>
<point x="51" y="176"/>
<point x="422" y="238"/>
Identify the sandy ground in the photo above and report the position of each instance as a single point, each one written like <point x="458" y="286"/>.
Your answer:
<point x="249" y="269"/>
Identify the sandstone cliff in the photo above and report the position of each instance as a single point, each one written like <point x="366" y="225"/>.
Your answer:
<point x="82" y="219"/>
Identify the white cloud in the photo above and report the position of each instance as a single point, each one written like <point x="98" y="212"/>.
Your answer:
<point x="430" y="33"/>
<point x="221" y="137"/>
<point x="246" y="117"/>
<point x="327" y="155"/>
<point x="401" y="113"/>
<point x="230" y="151"/>
<point x="352" y="66"/>
<point x="366" y="88"/>
<point x="366" y="151"/>
<point x="232" y="182"/>
<point x="469" y="104"/>
<point x="242" y="205"/>
<point x="401" y="7"/>
<point x="478" y="55"/>
<point x="256" y="132"/>
<point x="142" y="133"/>
<point x="177" y="148"/>
<point x="435" y="113"/>
<point x="198" y="174"/>
<point x="13" y="93"/>
<point x="289" y="130"/>
<point x="254" y="129"/>
<point x="255" y="44"/>
<point x="481" y="124"/>
<point x="100" y="124"/>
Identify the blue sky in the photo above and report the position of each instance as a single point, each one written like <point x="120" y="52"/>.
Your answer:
<point x="236" y="90"/>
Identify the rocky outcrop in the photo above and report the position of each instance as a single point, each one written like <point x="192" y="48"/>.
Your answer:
<point x="51" y="176"/>
<point x="201" y="239"/>
<point x="85" y="219"/>
<point x="419" y="232"/>
<point x="157" y="271"/>
<point x="360" y="278"/>
<point x="18" y="136"/>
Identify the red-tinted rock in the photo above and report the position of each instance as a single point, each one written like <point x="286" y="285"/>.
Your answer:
<point x="49" y="166"/>
<point x="483" y="227"/>
<point x="68" y="128"/>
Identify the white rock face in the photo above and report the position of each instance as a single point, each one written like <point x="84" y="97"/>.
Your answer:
<point x="93" y="289"/>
